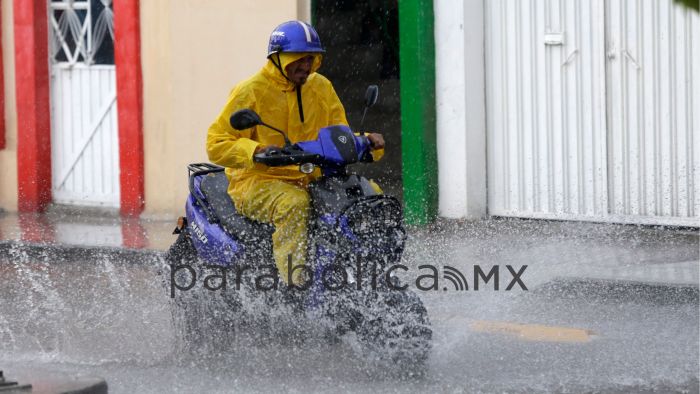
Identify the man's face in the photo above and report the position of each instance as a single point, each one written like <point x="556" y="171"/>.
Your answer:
<point x="299" y="70"/>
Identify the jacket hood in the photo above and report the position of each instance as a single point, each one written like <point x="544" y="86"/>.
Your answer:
<point x="285" y="59"/>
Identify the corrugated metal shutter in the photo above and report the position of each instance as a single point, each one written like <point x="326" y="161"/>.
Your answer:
<point x="653" y="102"/>
<point x="557" y="143"/>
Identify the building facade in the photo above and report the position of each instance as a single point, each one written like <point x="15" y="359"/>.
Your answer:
<point x="106" y="102"/>
<point x="536" y="108"/>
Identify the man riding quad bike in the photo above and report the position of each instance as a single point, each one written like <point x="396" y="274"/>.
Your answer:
<point x="287" y="197"/>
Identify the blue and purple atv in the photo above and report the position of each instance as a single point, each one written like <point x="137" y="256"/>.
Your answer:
<point x="223" y="276"/>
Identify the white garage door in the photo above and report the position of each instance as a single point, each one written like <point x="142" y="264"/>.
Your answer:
<point x="590" y="110"/>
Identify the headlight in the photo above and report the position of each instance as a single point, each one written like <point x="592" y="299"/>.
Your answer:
<point x="307" y="168"/>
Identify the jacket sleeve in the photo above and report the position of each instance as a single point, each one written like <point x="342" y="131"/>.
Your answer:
<point x="226" y="146"/>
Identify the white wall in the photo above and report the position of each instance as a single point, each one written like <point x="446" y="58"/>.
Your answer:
<point x="460" y="100"/>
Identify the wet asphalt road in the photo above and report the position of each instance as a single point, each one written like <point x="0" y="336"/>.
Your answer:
<point x="107" y="317"/>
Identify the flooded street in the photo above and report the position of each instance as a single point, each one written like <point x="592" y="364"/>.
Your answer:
<point x="503" y="195"/>
<point x="107" y="315"/>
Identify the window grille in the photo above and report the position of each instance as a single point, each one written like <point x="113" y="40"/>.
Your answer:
<point x="81" y="31"/>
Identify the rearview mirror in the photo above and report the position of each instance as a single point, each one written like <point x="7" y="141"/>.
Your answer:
<point x="245" y="119"/>
<point x="371" y="95"/>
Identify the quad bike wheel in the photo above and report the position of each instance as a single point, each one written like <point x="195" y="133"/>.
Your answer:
<point x="202" y="320"/>
<point x="394" y="329"/>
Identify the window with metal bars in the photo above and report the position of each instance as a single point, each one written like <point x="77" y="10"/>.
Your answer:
<point x="81" y="31"/>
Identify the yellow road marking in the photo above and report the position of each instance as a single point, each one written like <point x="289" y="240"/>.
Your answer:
<point x="534" y="332"/>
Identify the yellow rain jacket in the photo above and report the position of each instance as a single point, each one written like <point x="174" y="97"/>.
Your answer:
<point x="274" y="98"/>
<point x="275" y="195"/>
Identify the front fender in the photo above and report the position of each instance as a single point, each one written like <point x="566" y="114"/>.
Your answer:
<point x="212" y="243"/>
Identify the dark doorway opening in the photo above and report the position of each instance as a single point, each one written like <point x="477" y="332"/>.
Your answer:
<point x="361" y="39"/>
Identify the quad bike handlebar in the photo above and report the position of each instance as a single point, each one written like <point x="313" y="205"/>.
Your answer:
<point x="333" y="148"/>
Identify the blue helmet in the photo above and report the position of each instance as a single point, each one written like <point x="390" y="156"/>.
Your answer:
<point x="294" y="36"/>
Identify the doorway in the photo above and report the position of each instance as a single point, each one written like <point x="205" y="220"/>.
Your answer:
<point x="84" y="134"/>
<point x="361" y="39"/>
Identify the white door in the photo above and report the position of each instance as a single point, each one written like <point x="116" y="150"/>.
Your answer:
<point x="84" y="140"/>
<point x="590" y="110"/>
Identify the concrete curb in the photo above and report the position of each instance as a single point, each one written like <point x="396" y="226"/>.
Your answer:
<point x="620" y="290"/>
<point x="55" y="384"/>
<point x="62" y="252"/>
<point x="81" y="386"/>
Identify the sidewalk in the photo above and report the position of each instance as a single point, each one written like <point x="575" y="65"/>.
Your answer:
<point x="570" y="252"/>
<point x="86" y="228"/>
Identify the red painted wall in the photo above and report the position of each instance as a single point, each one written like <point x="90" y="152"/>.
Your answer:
<point x="33" y="105"/>
<point x="127" y="57"/>
<point x="33" y="111"/>
<point x="2" y="93"/>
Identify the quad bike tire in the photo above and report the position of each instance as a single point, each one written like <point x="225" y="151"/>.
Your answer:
<point x="395" y="329"/>
<point x="202" y="320"/>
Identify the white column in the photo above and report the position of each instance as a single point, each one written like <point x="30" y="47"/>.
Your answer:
<point x="460" y="101"/>
<point x="304" y="10"/>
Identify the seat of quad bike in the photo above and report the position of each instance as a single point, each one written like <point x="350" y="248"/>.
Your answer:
<point x="214" y="186"/>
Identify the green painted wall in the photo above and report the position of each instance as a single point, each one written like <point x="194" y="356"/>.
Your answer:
<point x="418" y="129"/>
<point x="418" y="119"/>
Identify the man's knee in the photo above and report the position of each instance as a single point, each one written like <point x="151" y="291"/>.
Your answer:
<point x="293" y="203"/>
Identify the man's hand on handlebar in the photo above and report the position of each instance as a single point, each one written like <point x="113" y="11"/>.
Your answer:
<point x="376" y="140"/>
<point x="265" y="148"/>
